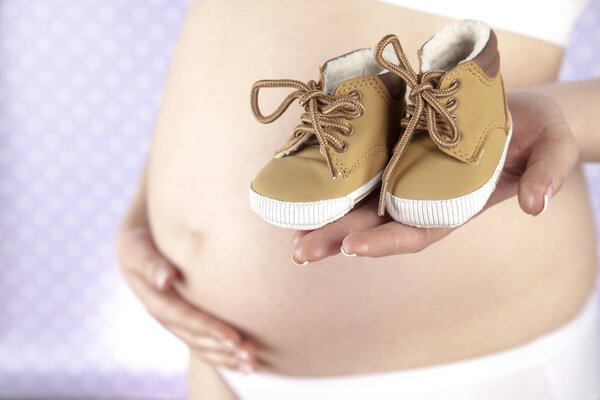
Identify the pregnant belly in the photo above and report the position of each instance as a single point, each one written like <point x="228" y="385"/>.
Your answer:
<point x="501" y="280"/>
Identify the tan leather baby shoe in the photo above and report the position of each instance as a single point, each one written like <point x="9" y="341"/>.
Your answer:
<point x="457" y="129"/>
<point x="336" y="156"/>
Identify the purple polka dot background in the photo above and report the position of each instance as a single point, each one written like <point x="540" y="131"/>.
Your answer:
<point x="80" y="83"/>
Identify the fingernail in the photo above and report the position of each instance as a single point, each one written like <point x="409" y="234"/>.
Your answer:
<point x="161" y="275"/>
<point x="346" y="253"/>
<point x="245" y="368"/>
<point x="295" y="240"/>
<point x="228" y="343"/>
<point x="298" y="263"/>
<point x="547" y="197"/>
<point x="243" y="354"/>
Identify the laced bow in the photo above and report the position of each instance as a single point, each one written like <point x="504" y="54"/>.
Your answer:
<point x="322" y="116"/>
<point x="424" y="114"/>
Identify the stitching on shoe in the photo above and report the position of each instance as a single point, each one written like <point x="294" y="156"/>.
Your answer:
<point x="481" y="142"/>
<point x="472" y="68"/>
<point x="364" y="157"/>
<point x="369" y="82"/>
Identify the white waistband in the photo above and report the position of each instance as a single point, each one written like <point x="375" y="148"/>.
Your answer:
<point x="551" y="21"/>
<point x="561" y="365"/>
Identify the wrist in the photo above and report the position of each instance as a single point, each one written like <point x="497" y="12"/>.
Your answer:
<point x="577" y="105"/>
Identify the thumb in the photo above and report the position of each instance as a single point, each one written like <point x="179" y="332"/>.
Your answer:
<point x="138" y="255"/>
<point x="552" y="158"/>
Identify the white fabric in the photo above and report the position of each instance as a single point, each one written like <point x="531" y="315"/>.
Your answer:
<point x="546" y="20"/>
<point x="352" y="65"/>
<point x="561" y="365"/>
<point x="456" y="42"/>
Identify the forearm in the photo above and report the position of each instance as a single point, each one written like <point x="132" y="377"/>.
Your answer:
<point x="580" y="104"/>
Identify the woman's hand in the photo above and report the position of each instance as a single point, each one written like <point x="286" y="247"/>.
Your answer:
<point x="152" y="278"/>
<point x="541" y="155"/>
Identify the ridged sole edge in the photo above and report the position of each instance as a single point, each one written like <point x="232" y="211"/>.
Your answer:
<point x="308" y="215"/>
<point x="446" y="213"/>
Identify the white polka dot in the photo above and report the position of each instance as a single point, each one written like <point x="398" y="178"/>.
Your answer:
<point x="40" y="10"/>
<point x="81" y="111"/>
<point x="25" y="27"/>
<point x="65" y="127"/>
<point x="106" y="13"/>
<point x="57" y="28"/>
<point x="158" y="65"/>
<point x="140" y="14"/>
<point x="96" y="96"/>
<point x="94" y="63"/>
<point x="32" y="95"/>
<point x="83" y="143"/>
<point x="584" y="52"/>
<point x="92" y="30"/>
<point x="35" y="126"/>
<point x="75" y="45"/>
<point x="43" y="44"/>
<point x="16" y="110"/>
<point x="143" y="81"/>
<point x="5" y="156"/>
<point x="174" y="14"/>
<point x="8" y="218"/>
<point x="73" y="249"/>
<point x="124" y="31"/>
<point x="25" y="233"/>
<point x="50" y="142"/>
<point x="108" y="47"/>
<point x="141" y="48"/>
<point x="145" y="113"/>
<point x="41" y="248"/>
<point x="73" y="11"/>
<point x="128" y="98"/>
<point x="49" y="110"/>
<point x="126" y="64"/>
<point x="6" y="189"/>
<point x="52" y="172"/>
<point x="157" y="32"/>
<point x="112" y="112"/>
<point x="14" y="77"/>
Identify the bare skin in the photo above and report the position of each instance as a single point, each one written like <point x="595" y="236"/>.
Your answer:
<point x="213" y="272"/>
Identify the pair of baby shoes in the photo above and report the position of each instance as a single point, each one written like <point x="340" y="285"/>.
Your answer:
<point x="437" y="158"/>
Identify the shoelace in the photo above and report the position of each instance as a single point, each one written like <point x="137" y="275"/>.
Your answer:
<point x="424" y="114"/>
<point x="322" y="114"/>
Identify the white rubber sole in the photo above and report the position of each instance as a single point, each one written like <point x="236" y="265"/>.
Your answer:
<point x="308" y="215"/>
<point x="445" y="213"/>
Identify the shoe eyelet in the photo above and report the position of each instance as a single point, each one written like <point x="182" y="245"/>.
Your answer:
<point x="456" y="82"/>
<point x="349" y="133"/>
<point x="357" y="92"/>
<point x="343" y="149"/>
<point x="452" y="102"/>
<point x="454" y="117"/>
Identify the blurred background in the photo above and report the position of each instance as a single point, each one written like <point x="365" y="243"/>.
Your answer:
<point x="80" y="85"/>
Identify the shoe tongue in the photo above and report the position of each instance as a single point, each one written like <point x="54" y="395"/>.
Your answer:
<point x="351" y="65"/>
<point x="455" y="43"/>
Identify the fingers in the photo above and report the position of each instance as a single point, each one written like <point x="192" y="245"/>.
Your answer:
<point x="171" y="310"/>
<point x="298" y="235"/>
<point x="326" y="241"/>
<point x="215" y="353"/>
<point x="392" y="238"/>
<point x="151" y="277"/>
<point x="138" y="255"/>
<point x="551" y="160"/>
